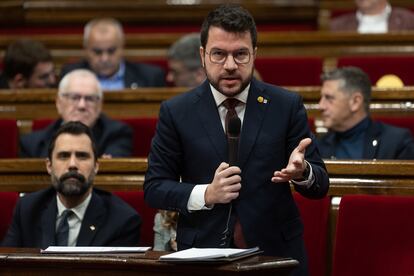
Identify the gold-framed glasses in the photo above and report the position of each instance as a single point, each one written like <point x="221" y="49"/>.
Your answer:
<point x="219" y="56"/>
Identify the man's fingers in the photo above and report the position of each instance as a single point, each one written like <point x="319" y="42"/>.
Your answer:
<point x="304" y="143"/>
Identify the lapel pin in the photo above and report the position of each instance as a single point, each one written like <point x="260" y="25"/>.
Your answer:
<point x="260" y="99"/>
<point x="374" y="143"/>
<point x="92" y="227"/>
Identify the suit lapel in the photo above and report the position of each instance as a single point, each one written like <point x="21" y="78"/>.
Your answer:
<point x="210" y="119"/>
<point x="92" y="221"/>
<point x="253" y="118"/>
<point x="48" y="224"/>
<point x="371" y="141"/>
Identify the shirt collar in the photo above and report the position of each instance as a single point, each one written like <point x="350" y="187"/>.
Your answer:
<point x="374" y="18"/>
<point x="119" y="75"/>
<point x="219" y="98"/>
<point x="78" y="210"/>
<point x="356" y="130"/>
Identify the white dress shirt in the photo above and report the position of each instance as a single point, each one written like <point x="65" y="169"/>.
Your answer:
<point x="75" y="220"/>
<point x="373" y="23"/>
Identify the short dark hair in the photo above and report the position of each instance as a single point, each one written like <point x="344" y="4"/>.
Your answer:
<point x="187" y="50"/>
<point x="22" y="56"/>
<point x="74" y="128"/>
<point x="353" y="79"/>
<point x="231" y="18"/>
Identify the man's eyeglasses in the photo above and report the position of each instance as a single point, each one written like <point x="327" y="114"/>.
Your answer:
<point x="219" y="56"/>
<point x="109" y="51"/>
<point x="75" y="98"/>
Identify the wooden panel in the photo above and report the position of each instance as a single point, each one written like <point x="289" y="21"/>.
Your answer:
<point x="26" y="105"/>
<point x="151" y="12"/>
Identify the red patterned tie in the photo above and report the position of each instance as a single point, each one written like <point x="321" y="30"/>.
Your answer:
<point x="230" y="104"/>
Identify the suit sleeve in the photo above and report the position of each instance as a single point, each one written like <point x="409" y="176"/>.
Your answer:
<point x="406" y="149"/>
<point x="129" y="232"/>
<point x="299" y="130"/>
<point x="13" y="235"/>
<point x="162" y="186"/>
<point x="120" y="142"/>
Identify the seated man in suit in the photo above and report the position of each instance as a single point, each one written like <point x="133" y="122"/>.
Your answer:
<point x="103" y="40"/>
<point x="72" y="212"/>
<point x="80" y="98"/>
<point x="374" y="16"/>
<point x="27" y="64"/>
<point x="344" y="104"/>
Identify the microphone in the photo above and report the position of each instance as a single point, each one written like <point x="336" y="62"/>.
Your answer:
<point x="233" y="137"/>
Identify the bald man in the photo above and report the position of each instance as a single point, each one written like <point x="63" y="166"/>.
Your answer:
<point x="103" y="41"/>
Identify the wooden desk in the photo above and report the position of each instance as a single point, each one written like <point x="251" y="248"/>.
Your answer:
<point x="15" y="261"/>
<point x="32" y="104"/>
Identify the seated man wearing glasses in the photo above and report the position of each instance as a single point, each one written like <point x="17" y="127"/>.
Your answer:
<point x="103" y="40"/>
<point x="80" y="98"/>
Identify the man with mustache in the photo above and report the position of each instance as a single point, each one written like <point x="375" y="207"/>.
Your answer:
<point x="72" y="212"/>
<point x="103" y="41"/>
<point x="247" y="202"/>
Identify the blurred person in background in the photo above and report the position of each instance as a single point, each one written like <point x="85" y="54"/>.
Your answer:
<point x="374" y="16"/>
<point x="184" y="62"/>
<point x="352" y="134"/>
<point x="80" y="98"/>
<point x="104" y="41"/>
<point x="27" y="64"/>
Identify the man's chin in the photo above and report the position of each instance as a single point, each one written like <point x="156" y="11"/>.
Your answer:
<point x="230" y="91"/>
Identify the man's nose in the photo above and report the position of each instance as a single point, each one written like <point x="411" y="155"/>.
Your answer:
<point x="230" y="64"/>
<point x="73" y="162"/>
<point x="321" y="104"/>
<point x="105" y="56"/>
<point x="82" y="102"/>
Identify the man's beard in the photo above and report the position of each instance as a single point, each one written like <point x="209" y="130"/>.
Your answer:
<point x="72" y="183"/>
<point x="215" y="82"/>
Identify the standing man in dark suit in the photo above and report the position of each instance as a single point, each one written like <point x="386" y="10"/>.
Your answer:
<point x="72" y="212"/>
<point x="80" y="98"/>
<point x="352" y="134"/>
<point x="103" y="40"/>
<point x="187" y="167"/>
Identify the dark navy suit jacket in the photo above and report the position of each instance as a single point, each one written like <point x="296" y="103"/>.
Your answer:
<point x="382" y="141"/>
<point x="190" y="144"/>
<point x="34" y="221"/>
<point x="136" y="74"/>
<point x="111" y="137"/>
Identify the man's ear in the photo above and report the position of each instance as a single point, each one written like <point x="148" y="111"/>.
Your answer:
<point x="96" y="167"/>
<point x="356" y="101"/>
<point x="48" y="166"/>
<point x="18" y="81"/>
<point x="202" y="56"/>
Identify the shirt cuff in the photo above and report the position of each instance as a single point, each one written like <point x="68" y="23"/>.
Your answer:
<point x="307" y="182"/>
<point x="196" y="201"/>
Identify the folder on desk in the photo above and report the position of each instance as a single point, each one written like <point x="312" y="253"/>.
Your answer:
<point x="93" y="249"/>
<point x="210" y="254"/>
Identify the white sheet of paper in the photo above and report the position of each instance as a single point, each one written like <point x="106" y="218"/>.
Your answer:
<point x="93" y="249"/>
<point x="207" y="253"/>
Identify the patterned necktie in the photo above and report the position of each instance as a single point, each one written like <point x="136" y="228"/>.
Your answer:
<point x="230" y="104"/>
<point x="62" y="232"/>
